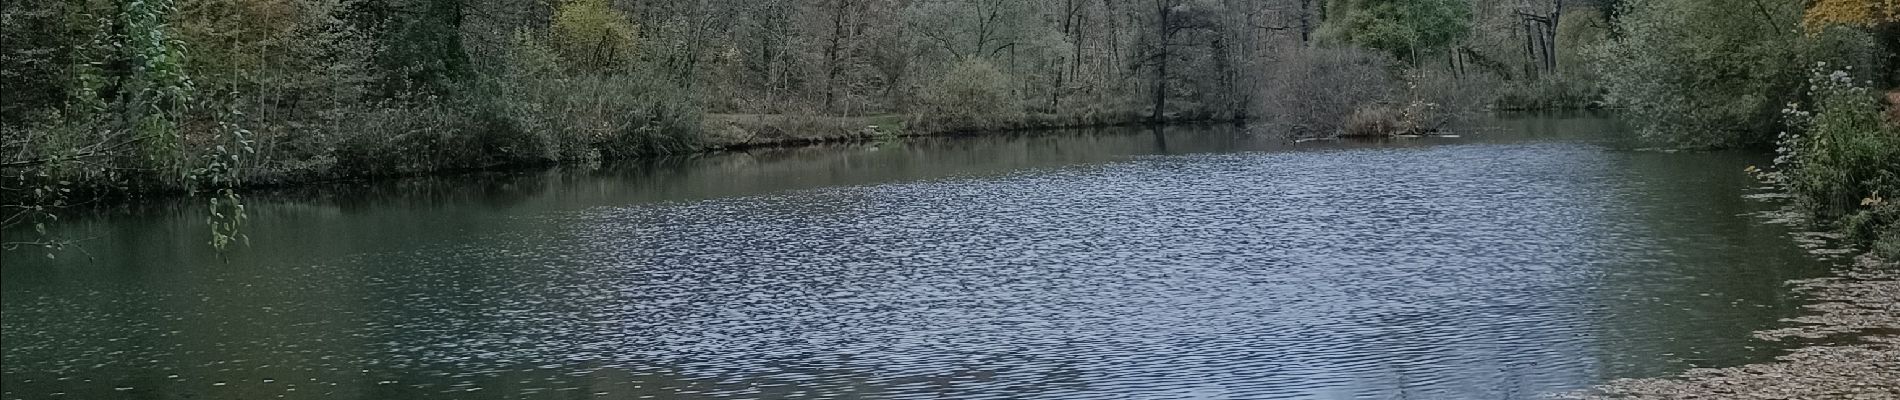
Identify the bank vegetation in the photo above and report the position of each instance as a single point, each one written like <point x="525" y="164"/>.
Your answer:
<point x="110" y="99"/>
<point x="1811" y="80"/>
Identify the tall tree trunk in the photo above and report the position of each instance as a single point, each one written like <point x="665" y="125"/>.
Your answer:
<point x="1075" y="64"/>
<point x="1530" y="49"/>
<point x="1556" y="20"/>
<point x="1064" y="67"/>
<point x="1162" y="11"/>
<point x="1306" y="22"/>
<point x="1224" y="69"/>
<point x="1451" y="62"/>
<point x="832" y="69"/>
<point x="1114" y="43"/>
<point x="1545" y="43"/>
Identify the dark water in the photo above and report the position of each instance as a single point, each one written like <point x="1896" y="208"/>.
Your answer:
<point x="1539" y="255"/>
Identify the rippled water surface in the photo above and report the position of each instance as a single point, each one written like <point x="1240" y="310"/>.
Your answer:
<point x="1535" y="255"/>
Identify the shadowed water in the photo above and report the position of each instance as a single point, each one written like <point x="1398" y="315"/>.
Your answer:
<point x="1539" y="254"/>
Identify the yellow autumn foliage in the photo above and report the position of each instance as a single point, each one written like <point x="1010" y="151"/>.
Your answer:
<point x="592" y="35"/>
<point x="1860" y="13"/>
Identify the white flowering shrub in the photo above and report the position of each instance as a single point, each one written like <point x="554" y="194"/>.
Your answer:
<point x="1840" y="155"/>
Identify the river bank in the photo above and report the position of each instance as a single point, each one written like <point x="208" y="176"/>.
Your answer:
<point x="726" y="132"/>
<point x="1850" y="336"/>
<point x="424" y="153"/>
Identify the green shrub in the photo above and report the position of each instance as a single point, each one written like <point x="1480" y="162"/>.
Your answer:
<point x="407" y="137"/>
<point x="1696" y="73"/>
<point x="1403" y="29"/>
<point x="1888" y="243"/>
<point x="1842" y="158"/>
<point x="592" y="36"/>
<point x="588" y="117"/>
<point x="973" y="94"/>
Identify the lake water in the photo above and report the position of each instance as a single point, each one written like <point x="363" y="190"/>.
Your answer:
<point x="1531" y="255"/>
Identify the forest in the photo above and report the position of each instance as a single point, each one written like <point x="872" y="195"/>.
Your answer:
<point x="210" y="96"/>
<point x="306" y="88"/>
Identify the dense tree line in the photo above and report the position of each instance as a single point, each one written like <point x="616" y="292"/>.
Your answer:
<point x="135" y="96"/>
<point x="1714" y="73"/>
<point x="294" y="67"/>
<point x="125" y="96"/>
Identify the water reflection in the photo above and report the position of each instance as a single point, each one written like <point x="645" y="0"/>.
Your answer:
<point x="1531" y="255"/>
